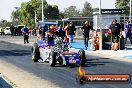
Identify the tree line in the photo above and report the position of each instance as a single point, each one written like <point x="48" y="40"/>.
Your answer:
<point x="26" y="13"/>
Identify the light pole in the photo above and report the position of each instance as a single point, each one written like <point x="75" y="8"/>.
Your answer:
<point x="130" y="10"/>
<point x="42" y="10"/>
<point x="16" y="20"/>
<point x="100" y="7"/>
<point x="100" y="47"/>
<point x="35" y="18"/>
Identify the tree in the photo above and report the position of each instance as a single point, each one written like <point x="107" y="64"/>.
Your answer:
<point x="26" y="14"/>
<point x="52" y="12"/>
<point x="95" y="9"/>
<point x="123" y="4"/>
<point x="15" y="16"/>
<point x="5" y="23"/>
<point x="87" y="10"/>
<point x="61" y="15"/>
<point x="71" y="12"/>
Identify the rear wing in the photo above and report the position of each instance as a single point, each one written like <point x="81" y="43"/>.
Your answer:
<point x="47" y="23"/>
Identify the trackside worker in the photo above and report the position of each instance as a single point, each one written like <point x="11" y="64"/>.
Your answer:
<point x="116" y="31"/>
<point x="25" y="32"/>
<point x="71" y="32"/>
<point x="12" y="28"/>
<point x="86" y="29"/>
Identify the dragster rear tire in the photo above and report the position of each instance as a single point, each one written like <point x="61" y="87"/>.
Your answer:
<point x="35" y="53"/>
<point x="81" y="53"/>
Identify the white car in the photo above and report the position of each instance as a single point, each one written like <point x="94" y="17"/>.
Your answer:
<point x="7" y="31"/>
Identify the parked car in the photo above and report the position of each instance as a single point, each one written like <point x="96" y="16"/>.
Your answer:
<point x="18" y="30"/>
<point x="7" y="31"/>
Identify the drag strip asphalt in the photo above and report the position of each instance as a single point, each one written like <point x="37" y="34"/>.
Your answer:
<point x="64" y="77"/>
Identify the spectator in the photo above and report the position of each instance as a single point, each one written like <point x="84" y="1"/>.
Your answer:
<point x="122" y="38"/>
<point x="86" y="29"/>
<point x="12" y="28"/>
<point x="71" y="32"/>
<point x="122" y="27"/>
<point x="40" y="31"/>
<point x="1" y="31"/>
<point x="115" y="29"/>
<point x="128" y="32"/>
<point x="93" y="41"/>
<point x="66" y="39"/>
<point x="25" y="32"/>
<point x="44" y="30"/>
<point x="33" y="32"/>
<point x="30" y="31"/>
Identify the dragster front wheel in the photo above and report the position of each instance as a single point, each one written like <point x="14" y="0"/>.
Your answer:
<point x="80" y="79"/>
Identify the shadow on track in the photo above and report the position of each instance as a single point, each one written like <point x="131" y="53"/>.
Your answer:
<point x="11" y="49"/>
<point x="96" y="61"/>
<point x="15" y="52"/>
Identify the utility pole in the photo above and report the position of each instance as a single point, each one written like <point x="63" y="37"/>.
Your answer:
<point x="130" y="10"/>
<point x="42" y="10"/>
<point x="100" y="44"/>
<point x="15" y="20"/>
<point x="35" y="17"/>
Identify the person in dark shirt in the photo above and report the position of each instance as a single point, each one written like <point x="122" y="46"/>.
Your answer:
<point x="86" y="29"/>
<point x="60" y="32"/>
<point x="122" y="25"/>
<point x="40" y="32"/>
<point x="116" y="31"/>
<point x="12" y="28"/>
<point x="123" y="29"/>
<point x="71" y="32"/>
<point x="25" y="32"/>
<point x="44" y="30"/>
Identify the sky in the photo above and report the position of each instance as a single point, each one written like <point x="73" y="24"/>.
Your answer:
<point x="7" y="6"/>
